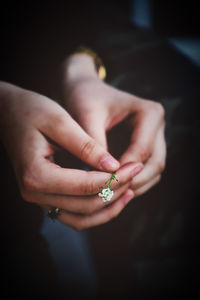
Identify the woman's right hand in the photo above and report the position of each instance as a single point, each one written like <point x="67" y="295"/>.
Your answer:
<point x="29" y="122"/>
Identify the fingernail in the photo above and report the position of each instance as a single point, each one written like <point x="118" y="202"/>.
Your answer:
<point x="130" y="195"/>
<point x="137" y="170"/>
<point x="109" y="163"/>
<point x="134" y="169"/>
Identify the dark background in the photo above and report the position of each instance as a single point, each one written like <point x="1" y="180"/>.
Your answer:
<point x="152" y="248"/>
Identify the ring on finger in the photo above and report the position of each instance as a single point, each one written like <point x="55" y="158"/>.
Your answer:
<point x="53" y="213"/>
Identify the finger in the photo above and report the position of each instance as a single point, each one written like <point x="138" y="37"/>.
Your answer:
<point x="67" y="133"/>
<point x="46" y="177"/>
<point x="82" y="205"/>
<point x="94" y="125"/>
<point x="148" y="186"/>
<point x="156" y="163"/>
<point x="103" y="216"/>
<point x="145" y="126"/>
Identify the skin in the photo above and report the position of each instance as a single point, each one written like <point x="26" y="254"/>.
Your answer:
<point x="29" y="122"/>
<point x="98" y="107"/>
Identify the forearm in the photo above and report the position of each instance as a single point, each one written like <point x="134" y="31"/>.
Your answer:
<point x="79" y="66"/>
<point x="6" y="92"/>
<point x="75" y="69"/>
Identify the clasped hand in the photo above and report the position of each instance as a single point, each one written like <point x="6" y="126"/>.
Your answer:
<point x="31" y="125"/>
<point x="98" y="107"/>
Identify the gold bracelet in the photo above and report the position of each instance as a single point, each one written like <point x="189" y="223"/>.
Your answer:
<point x="100" y="68"/>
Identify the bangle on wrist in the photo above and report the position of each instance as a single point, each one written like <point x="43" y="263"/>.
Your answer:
<point x="100" y="68"/>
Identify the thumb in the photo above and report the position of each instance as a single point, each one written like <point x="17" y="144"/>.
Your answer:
<point x="95" y="128"/>
<point x="142" y="139"/>
<point x="66" y="132"/>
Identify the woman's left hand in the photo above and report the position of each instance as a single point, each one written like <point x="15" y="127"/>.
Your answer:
<point x="98" y="107"/>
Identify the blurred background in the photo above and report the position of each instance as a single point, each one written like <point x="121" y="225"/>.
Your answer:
<point x="176" y="20"/>
<point x="152" y="250"/>
<point x="151" y="49"/>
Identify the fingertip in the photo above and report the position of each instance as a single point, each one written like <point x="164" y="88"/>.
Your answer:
<point x="129" y="195"/>
<point x="132" y="168"/>
<point x="138" y="169"/>
<point x="108" y="163"/>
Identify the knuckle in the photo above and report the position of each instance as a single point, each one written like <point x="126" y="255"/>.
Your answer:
<point x="160" y="166"/>
<point x="144" y="152"/>
<point x="89" y="188"/>
<point x="30" y="181"/>
<point x="87" y="149"/>
<point x="59" y="121"/>
<point x="156" y="108"/>
<point x="159" y="109"/>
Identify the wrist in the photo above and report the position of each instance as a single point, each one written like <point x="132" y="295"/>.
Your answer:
<point x="77" y="70"/>
<point x="79" y="67"/>
<point x="6" y="93"/>
<point x="9" y="93"/>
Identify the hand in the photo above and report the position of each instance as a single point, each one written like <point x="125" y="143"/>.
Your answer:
<point x="31" y="124"/>
<point x="98" y="107"/>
